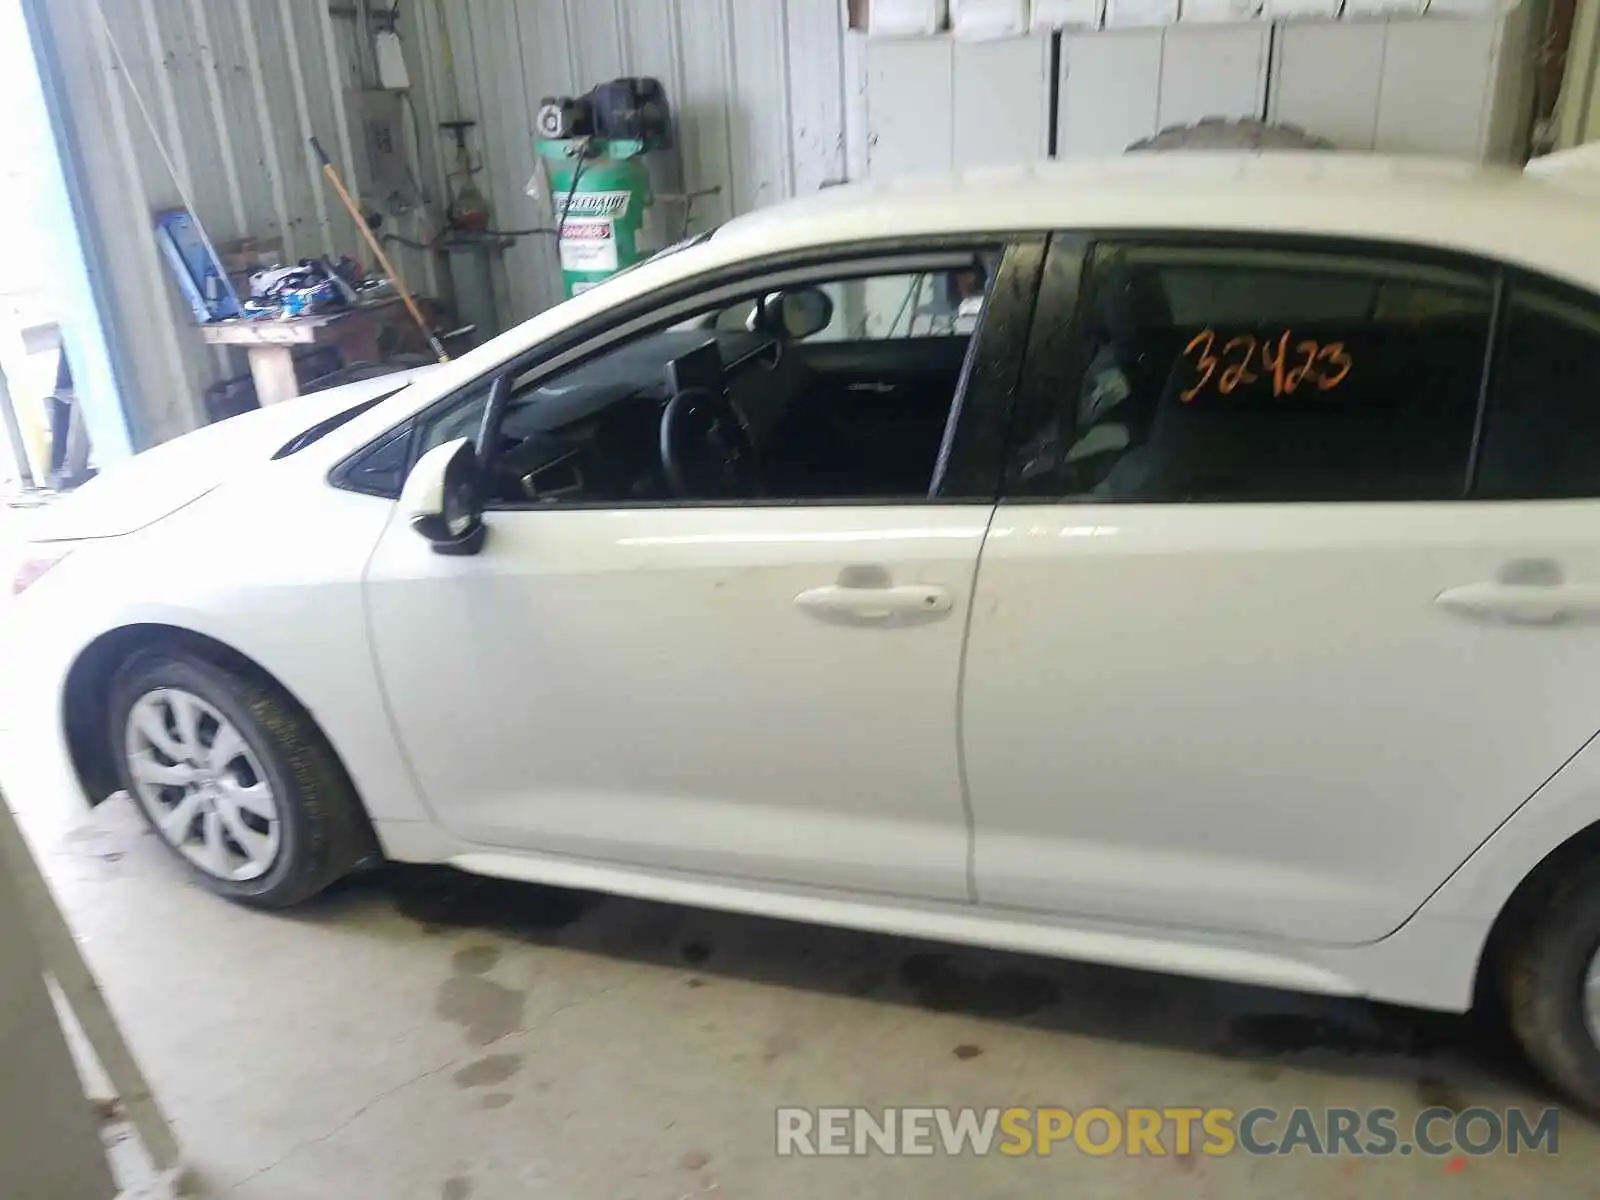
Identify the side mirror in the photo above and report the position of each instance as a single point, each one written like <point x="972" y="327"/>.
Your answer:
<point x="798" y="314"/>
<point x="443" y="498"/>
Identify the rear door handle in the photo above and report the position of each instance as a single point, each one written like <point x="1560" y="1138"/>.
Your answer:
<point x="1523" y="603"/>
<point x="906" y="604"/>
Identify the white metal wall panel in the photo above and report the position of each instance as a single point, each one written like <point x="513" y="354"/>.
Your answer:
<point x="939" y="104"/>
<point x="596" y="41"/>
<point x="1436" y="87"/>
<point x="1212" y="71"/>
<point x="705" y="127"/>
<point x="209" y="63"/>
<point x="910" y="105"/>
<point x="233" y="89"/>
<point x="503" y="109"/>
<point x="415" y="28"/>
<point x="857" y="117"/>
<point x="1001" y="102"/>
<point x="302" y="189"/>
<point x="759" y="106"/>
<point x="757" y="86"/>
<point x="547" y="58"/>
<point x="1110" y="91"/>
<point x="1459" y="86"/>
<point x="160" y="60"/>
<point x="1327" y="77"/>
<point x="1511" y="107"/>
<point x="251" y="116"/>
<point x="165" y="366"/>
<point x="653" y="38"/>
<point x="816" y="63"/>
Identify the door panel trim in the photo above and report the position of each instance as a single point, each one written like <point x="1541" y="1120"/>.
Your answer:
<point x="974" y="448"/>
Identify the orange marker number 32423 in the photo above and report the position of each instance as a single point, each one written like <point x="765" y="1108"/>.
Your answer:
<point x="1287" y="362"/>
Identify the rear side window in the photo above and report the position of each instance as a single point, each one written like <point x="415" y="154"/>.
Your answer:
<point x="1541" y="436"/>
<point x="1221" y="373"/>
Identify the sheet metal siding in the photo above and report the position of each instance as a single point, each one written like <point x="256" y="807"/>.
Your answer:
<point x="234" y="88"/>
<point x="758" y="87"/>
<point x="772" y="99"/>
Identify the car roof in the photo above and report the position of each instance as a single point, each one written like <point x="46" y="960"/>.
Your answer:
<point x="1545" y="223"/>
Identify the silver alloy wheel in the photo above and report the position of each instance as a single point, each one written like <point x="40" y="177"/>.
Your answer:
<point x="200" y="784"/>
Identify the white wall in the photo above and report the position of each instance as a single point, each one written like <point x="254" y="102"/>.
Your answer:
<point x="1454" y="86"/>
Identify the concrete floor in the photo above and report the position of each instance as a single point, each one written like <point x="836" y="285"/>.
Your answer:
<point x="425" y="1036"/>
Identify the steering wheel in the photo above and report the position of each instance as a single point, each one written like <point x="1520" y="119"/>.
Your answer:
<point x="705" y="449"/>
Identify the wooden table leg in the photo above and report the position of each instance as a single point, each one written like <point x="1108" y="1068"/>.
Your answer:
<point x="356" y="337"/>
<point x="272" y="368"/>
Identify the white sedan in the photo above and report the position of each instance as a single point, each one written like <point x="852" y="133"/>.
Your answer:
<point x="1189" y="563"/>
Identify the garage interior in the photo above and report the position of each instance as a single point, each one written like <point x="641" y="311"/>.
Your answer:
<point x="420" y="1034"/>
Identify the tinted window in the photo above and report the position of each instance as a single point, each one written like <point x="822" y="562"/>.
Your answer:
<point x="464" y="419"/>
<point x="380" y="469"/>
<point x="1542" y="434"/>
<point x="1240" y="374"/>
<point x="847" y="398"/>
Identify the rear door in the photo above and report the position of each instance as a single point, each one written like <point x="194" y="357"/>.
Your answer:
<point x="1250" y="651"/>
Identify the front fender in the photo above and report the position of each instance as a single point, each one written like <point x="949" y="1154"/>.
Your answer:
<point x="280" y="586"/>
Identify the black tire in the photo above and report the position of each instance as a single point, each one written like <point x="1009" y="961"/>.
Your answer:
<point x="1542" y="976"/>
<point x="1218" y="133"/>
<point x="324" y="831"/>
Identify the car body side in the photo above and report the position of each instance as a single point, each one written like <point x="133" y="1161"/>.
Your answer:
<point x="270" y="565"/>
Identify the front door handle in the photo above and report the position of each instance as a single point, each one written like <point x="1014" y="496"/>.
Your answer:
<point x="906" y="604"/>
<point x="1524" y="603"/>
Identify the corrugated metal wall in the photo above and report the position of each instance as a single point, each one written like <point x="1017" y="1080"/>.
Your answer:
<point x="772" y="100"/>
<point x="236" y="87"/>
<point x="758" y="86"/>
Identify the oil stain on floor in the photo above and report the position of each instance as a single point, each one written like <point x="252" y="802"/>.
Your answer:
<point x="1442" y="1053"/>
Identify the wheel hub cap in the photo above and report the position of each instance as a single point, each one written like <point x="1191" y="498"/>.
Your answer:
<point x="201" y="785"/>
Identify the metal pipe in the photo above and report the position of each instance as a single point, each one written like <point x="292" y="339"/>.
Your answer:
<point x="376" y="247"/>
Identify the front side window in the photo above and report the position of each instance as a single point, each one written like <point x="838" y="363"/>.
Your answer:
<point x="923" y="304"/>
<point x="829" y="391"/>
<point x="1541" y="435"/>
<point x="1232" y="373"/>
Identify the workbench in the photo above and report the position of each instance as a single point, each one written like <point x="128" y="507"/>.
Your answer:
<point x="270" y="342"/>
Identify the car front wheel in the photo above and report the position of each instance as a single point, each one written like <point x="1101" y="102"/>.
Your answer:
<point x="235" y="779"/>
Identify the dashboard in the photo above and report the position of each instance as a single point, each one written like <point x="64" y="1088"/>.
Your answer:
<point x="593" y="434"/>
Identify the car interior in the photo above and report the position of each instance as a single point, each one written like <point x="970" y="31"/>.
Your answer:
<point x="1181" y="399"/>
<point x="816" y="393"/>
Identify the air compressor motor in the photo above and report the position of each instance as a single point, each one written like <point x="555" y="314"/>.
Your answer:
<point x="624" y="110"/>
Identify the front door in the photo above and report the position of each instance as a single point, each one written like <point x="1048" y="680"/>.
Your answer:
<point x="1250" y="651"/>
<point x="756" y="679"/>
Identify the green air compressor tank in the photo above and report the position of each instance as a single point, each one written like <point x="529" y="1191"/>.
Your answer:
<point x="602" y="217"/>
